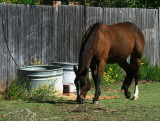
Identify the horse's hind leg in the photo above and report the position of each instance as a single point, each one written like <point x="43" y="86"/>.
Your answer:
<point x="128" y="79"/>
<point x="135" y="64"/>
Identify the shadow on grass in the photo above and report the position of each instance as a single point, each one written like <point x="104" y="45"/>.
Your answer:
<point x="60" y="102"/>
<point x="73" y="102"/>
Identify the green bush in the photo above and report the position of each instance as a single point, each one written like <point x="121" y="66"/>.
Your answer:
<point x="148" y="72"/>
<point x="15" y="90"/>
<point x="26" y="2"/>
<point x="42" y="94"/>
<point x="112" y="73"/>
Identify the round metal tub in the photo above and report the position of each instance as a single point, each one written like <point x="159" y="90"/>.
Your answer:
<point x="36" y="76"/>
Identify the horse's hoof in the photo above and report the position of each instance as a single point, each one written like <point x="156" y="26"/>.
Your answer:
<point x="135" y="98"/>
<point x="128" y="95"/>
<point x="80" y="101"/>
<point x="95" y="102"/>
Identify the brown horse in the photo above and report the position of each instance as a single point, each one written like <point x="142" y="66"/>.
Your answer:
<point x="103" y="44"/>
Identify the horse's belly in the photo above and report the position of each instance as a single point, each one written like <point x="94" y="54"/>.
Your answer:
<point x="115" y="58"/>
<point x="117" y="54"/>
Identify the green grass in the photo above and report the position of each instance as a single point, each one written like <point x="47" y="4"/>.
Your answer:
<point x="147" y="108"/>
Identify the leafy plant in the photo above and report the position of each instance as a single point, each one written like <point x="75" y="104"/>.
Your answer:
<point x="124" y="3"/>
<point x="112" y="73"/>
<point x="15" y="90"/>
<point x="44" y="93"/>
<point x="26" y="2"/>
<point x="35" y="61"/>
<point x="148" y="72"/>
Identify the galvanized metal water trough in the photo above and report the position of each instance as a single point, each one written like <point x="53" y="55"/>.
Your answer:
<point x="36" y="76"/>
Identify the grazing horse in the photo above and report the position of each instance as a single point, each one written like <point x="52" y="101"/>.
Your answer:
<point x="103" y="44"/>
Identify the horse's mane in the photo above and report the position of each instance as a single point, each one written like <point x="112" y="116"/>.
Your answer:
<point x="89" y="38"/>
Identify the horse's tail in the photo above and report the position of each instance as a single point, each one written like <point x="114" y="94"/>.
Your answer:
<point x="140" y="41"/>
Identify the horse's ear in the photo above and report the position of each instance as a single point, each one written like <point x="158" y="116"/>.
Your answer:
<point x="75" y="69"/>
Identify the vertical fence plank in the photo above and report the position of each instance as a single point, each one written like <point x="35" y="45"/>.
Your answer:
<point x="53" y="35"/>
<point x="93" y="15"/>
<point x="44" y="33"/>
<point x="3" y="49"/>
<point x="69" y="32"/>
<point x="24" y="36"/>
<point x="159" y="32"/>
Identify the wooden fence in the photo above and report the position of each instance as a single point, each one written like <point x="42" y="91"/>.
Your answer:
<point x="54" y="34"/>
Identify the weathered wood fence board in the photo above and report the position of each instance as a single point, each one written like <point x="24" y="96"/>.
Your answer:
<point x="69" y="32"/>
<point x="54" y="34"/>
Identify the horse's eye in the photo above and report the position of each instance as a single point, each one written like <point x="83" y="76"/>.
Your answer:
<point x="83" y="82"/>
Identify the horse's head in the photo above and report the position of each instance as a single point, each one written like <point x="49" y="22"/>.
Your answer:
<point x="83" y="85"/>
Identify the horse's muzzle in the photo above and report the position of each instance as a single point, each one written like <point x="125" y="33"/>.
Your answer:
<point x="80" y="100"/>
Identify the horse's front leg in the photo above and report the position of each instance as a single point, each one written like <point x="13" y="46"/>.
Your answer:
<point x="97" y="89"/>
<point x="96" y="74"/>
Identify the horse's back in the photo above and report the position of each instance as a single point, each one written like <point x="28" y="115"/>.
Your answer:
<point x="114" y="42"/>
<point x="136" y="34"/>
<point x="126" y="38"/>
<point x="127" y="28"/>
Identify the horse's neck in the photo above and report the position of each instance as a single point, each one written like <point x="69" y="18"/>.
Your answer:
<point x="86" y="51"/>
<point x="84" y="67"/>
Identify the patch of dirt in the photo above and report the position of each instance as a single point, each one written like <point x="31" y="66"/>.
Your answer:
<point x="73" y="96"/>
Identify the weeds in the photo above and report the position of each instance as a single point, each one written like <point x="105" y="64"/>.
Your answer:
<point x="18" y="91"/>
<point x="148" y="72"/>
<point x="112" y="73"/>
<point x="15" y="90"/>
<point x="36" y="61"/>
<point x="44" y="93"/>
